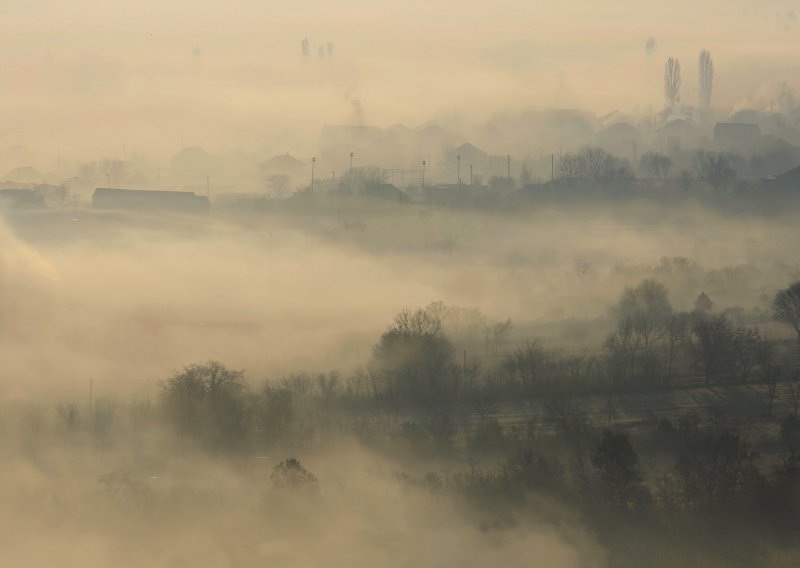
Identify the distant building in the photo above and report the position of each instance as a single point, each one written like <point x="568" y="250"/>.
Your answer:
<point x="193" y="163"/>
<point x="679" y="135"/>
<point x="736" y="137"/>
<point x="621" y="139"/>
<point x="483" y="164"/>
<point x="454" y="193"/>
<point x="25" y="174"/>
<point x="789" y="181"/>
<point x="385" y="191"/>
<point x="21" y="199"/>
<point x="283" y="165"/>
<point x="772" y="155"/>
<point x="175" y="201"/>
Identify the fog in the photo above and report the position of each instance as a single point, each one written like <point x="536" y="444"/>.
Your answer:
<point x="151" y="78"/>
<point x="399" y="284"/>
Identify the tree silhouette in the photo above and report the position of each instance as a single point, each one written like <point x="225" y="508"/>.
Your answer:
<point x="672" y="81"/>
<point x="705" y="68"/>
<point x="291" y="475"/>
<point x="618" y="472"/>
<point x="786" y="307"/>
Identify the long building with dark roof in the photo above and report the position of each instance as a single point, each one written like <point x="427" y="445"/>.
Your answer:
<point x="177" y="201"/>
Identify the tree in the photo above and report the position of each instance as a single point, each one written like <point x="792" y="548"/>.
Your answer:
<point x="649" y="297"/>
<point x="677" y="328"/>
<point x="712" y="342"/>
<point x="617" y="470"/>
<point x="292" y="476"/>
<point x="786" y="307"/>
<point x="705" y="68"/>
<point x="747" y="344"/>
<point x="571" y="166"/>
<point x="715" y="168"/>
<point x="655" y="165"/>
<point x="650" y="46"/>
<point x="413" y="361"/>
<point x="206" y="401"/>
<point x="772" y="376"/>
<point x="715" y="469"/>
<point x="672" y="81"/>
<point x="362" y="179"/>
<point x="278" y="183"/>
<point x="703" y="304"/>
<point x="644" y="313"/>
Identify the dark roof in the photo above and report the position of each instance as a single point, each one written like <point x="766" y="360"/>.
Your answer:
<point x="790" y="178"/>
<point x="20" y="198"/>
<point x="620" y="131"/>
<point x="468" y="151"/>
<point x="736" y="129"/>
<point x="115" y="198"/>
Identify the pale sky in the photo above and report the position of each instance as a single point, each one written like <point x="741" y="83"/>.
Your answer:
<point x="87" y="75"/>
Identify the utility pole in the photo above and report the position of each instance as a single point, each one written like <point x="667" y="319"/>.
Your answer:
<point x="458" y="158"/>
<point x="635" y="155"/>
<point x="351" y="172"/>
<point x="313" y="163"/>
<point x="423" y="172"/>
<point x="552" y="167"/>
<point x="333" y="177"/>
<point x="508" y="167"/>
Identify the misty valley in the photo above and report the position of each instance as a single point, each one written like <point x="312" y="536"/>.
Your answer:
<point x="399" y="285"/>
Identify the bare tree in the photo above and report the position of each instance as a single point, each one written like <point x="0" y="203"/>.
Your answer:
<point x="747" y="344"/>
<point x="771" y="376"/>
<point x="712" y="341"/>
<point x="278" y="183"/>
<point x="786" y="307"/>
<point x="794" y="393"/>
<point x="705" y="68"/>
<point x="672" y="81"/>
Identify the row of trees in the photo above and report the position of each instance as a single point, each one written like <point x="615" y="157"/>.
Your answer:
<point x="595" y="165"/>
<point x="705" y="83"/>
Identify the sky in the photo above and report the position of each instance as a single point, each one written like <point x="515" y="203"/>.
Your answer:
<point x="91" y="78"/>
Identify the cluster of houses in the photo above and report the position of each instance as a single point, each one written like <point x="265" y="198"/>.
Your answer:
<point x="426" y="164"/>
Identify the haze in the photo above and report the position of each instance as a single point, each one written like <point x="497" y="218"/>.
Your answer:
<point x="366" y="284"/>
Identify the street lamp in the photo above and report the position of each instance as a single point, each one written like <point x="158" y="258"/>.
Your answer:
<point x="351" y="172"/>
<point x="423" y="173"/>
<point x="313" y="162"/>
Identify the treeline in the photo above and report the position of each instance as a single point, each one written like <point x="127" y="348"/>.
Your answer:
<point x="415" y="369"/>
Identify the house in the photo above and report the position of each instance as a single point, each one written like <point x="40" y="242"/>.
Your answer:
<point x="737" y="137"/>
<point x="772" y="155"/>
<point x="385" y="191"/>
<point x="788" y="181"/>
<point x="175" y="201"/>
<point x="21" y="199"/>
<point x="24" y="174"/>
<point x="481" y="163"/>
<point x="621" y="139"/>
<point x="454" y="193"/>
<point x="193" y="163"/>
<point x="283" y="165"/>
<point x="679" y="135"/>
